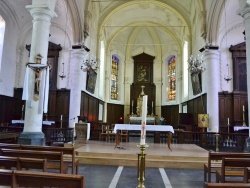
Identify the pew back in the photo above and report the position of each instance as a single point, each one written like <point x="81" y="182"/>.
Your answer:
<point x="53" y="158"/>
<point x="232" y="167"/>
<point x="226" y="185"/>
<point x="5" y="177"/>
<point x="214" y="162"/>
<point x="40" y="179"/>
<point x="68" y="152"/>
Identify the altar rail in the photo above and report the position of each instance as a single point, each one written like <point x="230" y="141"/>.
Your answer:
<point x="54" y="136"/>
<point x="233" y="142"/>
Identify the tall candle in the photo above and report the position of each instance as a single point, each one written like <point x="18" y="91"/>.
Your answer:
<point x="144" y="118"/>
<point x="22" y="107"/>
<point x="152" y="104"/>
<point x="61" y="117"/>
<point x="243" y="108"/>
<point x="132" y="102"/>
<point x="228" y="121"/>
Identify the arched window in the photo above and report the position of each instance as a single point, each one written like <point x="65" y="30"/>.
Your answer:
<point x="114" y="77"/>
<point x="185" y="70"/>
<point x="2" y="31"/>
<point x="171" y="66"/>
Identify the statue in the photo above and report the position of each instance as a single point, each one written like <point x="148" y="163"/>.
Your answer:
<point x="139" y="102"/>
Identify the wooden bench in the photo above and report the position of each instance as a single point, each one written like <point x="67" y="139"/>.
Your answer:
<point x="5" y="177"/>
<point x="7" y="162"/>
<point x="227" y="185"/>
<point x="68" y="153"/>
<point x="232" y="167"/>
<point x="246" y="174"/>
<point x="54" y="159"/>
<point x="40" y="179"/>
<point x="214" y="162"/>
<point x="10" y="146"/>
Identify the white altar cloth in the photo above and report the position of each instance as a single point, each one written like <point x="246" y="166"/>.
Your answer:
<point x="138" y="127"/>
<point x="22" y="121"/>
<point x="137" y="120"/>
<point x="238" y="128"/>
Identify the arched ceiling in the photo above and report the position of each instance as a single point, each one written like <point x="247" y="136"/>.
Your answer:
<point x="146" y="24"/>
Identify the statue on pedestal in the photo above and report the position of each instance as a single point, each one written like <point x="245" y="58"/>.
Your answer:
<point x="139" y="102"/>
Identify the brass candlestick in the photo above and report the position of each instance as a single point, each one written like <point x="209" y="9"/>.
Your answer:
<point x="244" y="123"/>
<point x="141" y="166"/>
<point x="217" y="142"/>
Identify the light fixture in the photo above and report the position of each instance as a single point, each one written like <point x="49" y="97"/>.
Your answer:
<point x="62" y="75"/>
<point x="196" y="65"/>
<point x="88" y="64"/>
<point x="226" y="77"/>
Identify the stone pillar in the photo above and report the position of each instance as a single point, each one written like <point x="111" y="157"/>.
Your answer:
<point x="76" y="82"/>
<point x="158" y="88"/>
<point x="245" y="13"/>
<point x="128" y="81"/>
<point x="211" y="58"/>
<point x="42" y="13"/>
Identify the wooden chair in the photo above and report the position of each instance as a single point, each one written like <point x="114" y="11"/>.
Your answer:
<point x="45" y="179"/>
<point x="105" y="134"/>
<point x="124" y="136"/>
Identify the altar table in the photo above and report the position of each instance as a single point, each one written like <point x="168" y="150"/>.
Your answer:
<point x="238" y="128"/>
<point x="135" y="127"/>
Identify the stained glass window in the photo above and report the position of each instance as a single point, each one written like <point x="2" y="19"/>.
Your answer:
<point x="114" y="77"/>
<point x="171" y="67"/>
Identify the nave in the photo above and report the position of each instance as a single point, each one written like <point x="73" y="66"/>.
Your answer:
<point x="100" y="176"/>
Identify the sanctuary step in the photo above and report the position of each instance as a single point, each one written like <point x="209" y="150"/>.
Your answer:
<point x="157" y="155"/>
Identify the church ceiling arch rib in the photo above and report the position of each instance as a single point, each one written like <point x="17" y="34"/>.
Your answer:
<point x="130" y="11"/>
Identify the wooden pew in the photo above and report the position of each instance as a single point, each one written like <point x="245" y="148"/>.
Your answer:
<point x="10" y="146"/>
<point x="40" y="179"/>
<point x="226" y="185"/>
<point x="214" y="162"/>
<point x="68" y="153"/>
<point x="232" y="167"/>
<point x="5" y="177"/>
<point x="7" y="162"/>
<point x="54" y="159"/>
<point x="31" y="163"/>
<point x="246" y="174"/>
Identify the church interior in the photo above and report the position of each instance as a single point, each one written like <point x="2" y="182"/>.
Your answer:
<point x="105" y="75"/>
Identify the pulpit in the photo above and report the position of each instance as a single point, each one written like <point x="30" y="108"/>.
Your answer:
<point x="82" y="132"/>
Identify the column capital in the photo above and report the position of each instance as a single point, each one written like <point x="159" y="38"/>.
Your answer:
<point x="40" y="12"/>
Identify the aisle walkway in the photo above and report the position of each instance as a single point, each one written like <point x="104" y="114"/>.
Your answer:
<point x="126" y="177"/>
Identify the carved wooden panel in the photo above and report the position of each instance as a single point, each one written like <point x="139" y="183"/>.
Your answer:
<point x="239" y="66"/>
<point x="115" y="112"/>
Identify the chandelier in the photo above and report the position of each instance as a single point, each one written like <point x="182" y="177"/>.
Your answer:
<point x="88" y="64"/>
<point x="62" y="75"/>
<point x="196" y="65"/>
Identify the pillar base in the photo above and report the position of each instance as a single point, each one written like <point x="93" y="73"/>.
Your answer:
<point x="32" y="138"/>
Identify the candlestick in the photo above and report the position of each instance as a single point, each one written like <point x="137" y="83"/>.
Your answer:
<point x="144" y="116"/>
<point x="22" y="107"/>
<point x="228" y="121"/>
<point x="243" y="108"/>
<point x="152" y="104"/>
<point x="61" y="117"/>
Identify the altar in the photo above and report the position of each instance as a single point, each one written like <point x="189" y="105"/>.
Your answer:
<point x="137" y="120"/>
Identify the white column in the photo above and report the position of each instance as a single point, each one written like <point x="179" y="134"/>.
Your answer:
<point x="42" y="15"/>
<point x="128" y="79"/>
<point x="245" y="13"/>
<point x="211" y="58"/>
<point x="76" y="83"/>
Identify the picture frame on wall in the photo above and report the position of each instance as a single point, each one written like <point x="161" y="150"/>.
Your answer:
<point x="91" y="81"/>
<point x="196" y="83"/>
<point x="143" y="73"/>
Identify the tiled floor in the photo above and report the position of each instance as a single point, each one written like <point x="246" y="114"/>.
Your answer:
<point x="99" y="176"/>
<point x="126" y="177"/>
